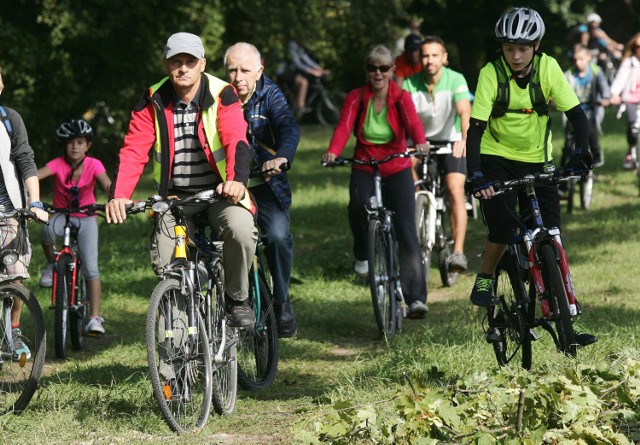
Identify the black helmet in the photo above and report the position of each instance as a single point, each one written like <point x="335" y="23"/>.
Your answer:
<point x="520" y="25"/>
<point x="75" y="128"/>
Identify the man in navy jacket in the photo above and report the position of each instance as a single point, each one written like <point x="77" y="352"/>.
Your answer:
<point x="273" y="136"/>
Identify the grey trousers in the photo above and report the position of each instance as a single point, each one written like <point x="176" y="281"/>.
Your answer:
<point x="233" y="225"/>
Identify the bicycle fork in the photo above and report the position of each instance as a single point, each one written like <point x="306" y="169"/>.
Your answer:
<point x="431" y="217"/>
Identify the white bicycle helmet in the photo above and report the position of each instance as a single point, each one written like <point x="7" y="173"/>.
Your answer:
<point x="73" y="129"/>
<point x="520" y="25"/>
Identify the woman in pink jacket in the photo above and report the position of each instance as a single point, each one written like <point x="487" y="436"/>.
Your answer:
<point x="381" y="115"/>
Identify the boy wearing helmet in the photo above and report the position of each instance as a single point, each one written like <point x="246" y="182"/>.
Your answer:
<point x="511" y="102"/>
<point x="74" y="180"/>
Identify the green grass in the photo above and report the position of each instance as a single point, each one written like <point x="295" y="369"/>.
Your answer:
<point x="103" y="394"/>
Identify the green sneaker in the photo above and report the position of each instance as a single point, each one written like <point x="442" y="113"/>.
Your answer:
<point x="482" y="292"/>
<point x="583" y="338"/>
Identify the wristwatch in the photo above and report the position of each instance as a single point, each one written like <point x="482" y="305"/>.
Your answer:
<point x="37" y="205"/>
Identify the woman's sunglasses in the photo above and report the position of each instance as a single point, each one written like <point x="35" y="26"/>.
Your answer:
<point x="373" y="68"/>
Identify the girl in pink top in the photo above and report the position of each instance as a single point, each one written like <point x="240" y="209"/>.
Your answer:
<point x="74" y="178"/>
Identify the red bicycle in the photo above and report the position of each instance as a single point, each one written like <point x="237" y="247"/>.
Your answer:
<point x="534" y="268"/>
<point x="69" y="298"/>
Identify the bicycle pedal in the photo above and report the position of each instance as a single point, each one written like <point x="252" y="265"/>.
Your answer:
<point x="491" y="337"/>
<point x="534" y="335"/>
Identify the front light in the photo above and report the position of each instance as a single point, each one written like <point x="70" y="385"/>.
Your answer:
<point x="160" y="207"/>
<point x="9" y="257"/>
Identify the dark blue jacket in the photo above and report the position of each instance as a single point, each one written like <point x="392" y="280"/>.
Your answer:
<point x="272" y="133"/>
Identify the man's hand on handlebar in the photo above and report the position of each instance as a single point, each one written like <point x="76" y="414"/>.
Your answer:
<point x="423" y="148"/>
<point x="328" y="158"/>
<point x="273" y="167"/>
<point x="234" y="191"/>
<point x="482" y="187"/>
<point x="115" y="210"/>
<point x="41" y="214"/>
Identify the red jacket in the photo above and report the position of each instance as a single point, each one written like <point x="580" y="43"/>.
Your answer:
<point x="403" y="120"/>
<point x="141" y="135"/>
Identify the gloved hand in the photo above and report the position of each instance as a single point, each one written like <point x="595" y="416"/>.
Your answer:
<point x="478" y="182"/>
<point x="580" y="162"/>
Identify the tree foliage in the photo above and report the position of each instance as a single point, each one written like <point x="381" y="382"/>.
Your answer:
<point x="62" y="57"/>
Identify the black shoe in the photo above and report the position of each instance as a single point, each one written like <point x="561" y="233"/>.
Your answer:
<point x="417" y="310"/>
<point x="239" y="313"/>
<point x="286" y="320"/>
<point x="583" y="338"/>
<point x="482" y="292"/>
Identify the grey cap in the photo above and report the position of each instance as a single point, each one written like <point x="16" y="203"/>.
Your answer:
<point x="184" y="42"/>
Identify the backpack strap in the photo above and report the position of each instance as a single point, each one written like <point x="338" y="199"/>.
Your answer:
<point x="6" y="121"/>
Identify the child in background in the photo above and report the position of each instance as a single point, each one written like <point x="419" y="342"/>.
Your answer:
<point x="588" y="81"/>
<point x="75" y="175"/>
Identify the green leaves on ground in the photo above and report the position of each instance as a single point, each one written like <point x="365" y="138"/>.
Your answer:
<point x="587" y="404"/>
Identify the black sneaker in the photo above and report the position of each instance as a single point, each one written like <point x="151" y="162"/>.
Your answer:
<point x="482" y="292"/>
<point x="583" y="338"/>
<point x="417" y="310"/>
<point x="285" y="319"/>
<point x="239" y="313"/>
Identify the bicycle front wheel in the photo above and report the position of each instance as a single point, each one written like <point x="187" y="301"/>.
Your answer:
<point x="444" y="252"/>
<point x="328" y="108"/>
<point x="508" y="327"/>
<point x="586" y="191"/>
<point x="79" y="314"/>
<point x="258" y="344"/>
<point x="380" y="263"/>
<point x="63" y="282"/>
<point x="558" y="302"/>
<point x="179" y="360"/>
<point x="223" y="343"/>
<point x="20" y="373"/>
<point x="422" y="226"/>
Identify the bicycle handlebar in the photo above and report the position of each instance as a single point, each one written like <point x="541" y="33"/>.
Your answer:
<point x="163" y="205"/>
<point x="16" y="213"/>
<point x="554" y="177"/>
<point x="258" y="172"/>
<point x="339" y="161"/>
<point x="91" y="209"/>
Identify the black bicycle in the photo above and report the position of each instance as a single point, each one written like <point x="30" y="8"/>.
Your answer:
<point x="20" y="368"/>
<point x="323" y="103"/>
<point x="384" y="265"/>
<point x="533" y="269"/>
<point x="582" y="185"/>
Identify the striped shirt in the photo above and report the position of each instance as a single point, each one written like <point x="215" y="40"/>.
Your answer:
<point x="191" y="170"/>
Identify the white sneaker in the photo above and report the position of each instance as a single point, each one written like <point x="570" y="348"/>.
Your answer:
<point x="362" y="268"/>
<point x="94" y="327"/>
<point x="46" y="279"/>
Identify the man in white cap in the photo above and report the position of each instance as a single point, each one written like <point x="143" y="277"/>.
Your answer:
<point x="193" y="123"/>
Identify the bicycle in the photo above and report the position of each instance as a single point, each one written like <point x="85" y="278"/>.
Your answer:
<point x="534" y="268"/>
<point x="325" y="104"/>
<point x="384" y="273"/>
<point x="432" y="214"/>
<point x="258" y="346"/>
<point x="19" y="373"/>
<point x="582" y="184"/>
<point x="69" y="298"/>
<point x="191" y="350"/>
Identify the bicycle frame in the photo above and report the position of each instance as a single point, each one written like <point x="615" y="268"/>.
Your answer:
<point x="67" y="249"/>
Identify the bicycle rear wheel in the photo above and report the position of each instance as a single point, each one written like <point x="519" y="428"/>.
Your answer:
<point x="223" y="343"/>
<point x="328" y="107"/>
<point x="63" y="281"/>
<point x="20" y="375"/>
<point x="422" y="226"/>
<point x="258" y="344"/>
<point x="179" y="362"/>
<point x="508" y="330"/>
<point x="79" y="315"/>
<point x="586" y="191"/>
<point x="382" y="294"/>
<point x="558" y="302"/>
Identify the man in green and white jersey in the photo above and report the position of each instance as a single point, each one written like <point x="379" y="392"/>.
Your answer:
<point x="441" y="97"/>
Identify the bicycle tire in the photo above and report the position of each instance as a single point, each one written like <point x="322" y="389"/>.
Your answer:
<point x="63" y="278"/>
<point x="382" y="295"/>
<point x="179" y="365"/>
<point x="19" y="379"/>
<point x="422" y="226"/>
<point x="258" y="346"/>
<point x="571" y="192"/>
<point x="444" y="252"/>
<point x="508" y="321"/>
<point x="225" y="372"/>
<point x="586" y="191"/>
<point x="397" y="287"/>
<point x="558" y="302"/>
<point x="328" y="107"/>
<point x="79" y="317"/>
